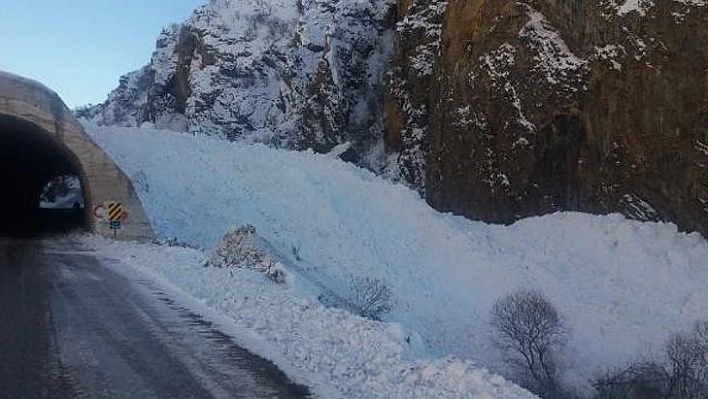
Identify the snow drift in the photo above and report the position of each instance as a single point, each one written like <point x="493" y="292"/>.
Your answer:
<point x="623" y="285"/>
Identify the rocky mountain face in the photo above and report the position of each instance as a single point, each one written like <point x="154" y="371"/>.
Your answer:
<point x="296" y="74"/>
<point x="493" y="109"/>
<point x="503" y="109"/>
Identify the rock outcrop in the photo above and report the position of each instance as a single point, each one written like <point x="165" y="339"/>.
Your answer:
<point x="503" y="109"/>
<point x="295" y="74"/>
<point x="492" y="109"/>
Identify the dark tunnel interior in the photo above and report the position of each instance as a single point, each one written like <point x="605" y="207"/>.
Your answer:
<point x="30" y="158"/>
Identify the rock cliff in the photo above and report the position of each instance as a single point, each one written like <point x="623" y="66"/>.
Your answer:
<point x="297" y="74"/>
<point x="503" y="109"/>
<point x="493" y="109"/>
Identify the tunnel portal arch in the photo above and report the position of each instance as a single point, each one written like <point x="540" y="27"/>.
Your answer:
<point x="40" y="139"/>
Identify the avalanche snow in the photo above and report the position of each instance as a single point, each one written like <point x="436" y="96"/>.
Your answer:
<point x="622" y="285"/>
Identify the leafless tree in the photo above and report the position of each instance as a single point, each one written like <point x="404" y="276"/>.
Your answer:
<point x="688" y="363"/>
<point x="531" y="332"/>
<point x="372" y="297"/>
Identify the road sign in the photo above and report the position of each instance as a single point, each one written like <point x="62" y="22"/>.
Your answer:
<point x="115" y="224"/>
<point x="99" y="212"/>
<point x="115" y="212"/>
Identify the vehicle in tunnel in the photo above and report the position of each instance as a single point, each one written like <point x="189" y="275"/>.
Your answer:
<point x="62" y="192"/>
<point x="36" y="169"/>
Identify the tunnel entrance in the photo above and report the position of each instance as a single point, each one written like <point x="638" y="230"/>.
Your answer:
<point x="42" y="184"/>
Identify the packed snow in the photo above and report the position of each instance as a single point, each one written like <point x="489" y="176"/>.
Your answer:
<point x="335" y="353"/>
<point x="622" y="285"/>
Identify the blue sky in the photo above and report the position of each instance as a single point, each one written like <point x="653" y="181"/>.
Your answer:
<point x="80" y="48"/>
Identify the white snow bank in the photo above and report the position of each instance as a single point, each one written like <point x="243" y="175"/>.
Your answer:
<point x="335" y="353"/>
<point x="623" y="285"/>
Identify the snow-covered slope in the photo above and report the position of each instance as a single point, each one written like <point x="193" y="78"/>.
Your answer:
<point x="623" y="285"/>
<point x="336" y="354"/>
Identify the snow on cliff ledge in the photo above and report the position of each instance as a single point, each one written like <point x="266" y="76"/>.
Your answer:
<point x="642" y="7"/>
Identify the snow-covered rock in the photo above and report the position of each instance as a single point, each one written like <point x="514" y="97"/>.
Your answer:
<point x="506" y="109"/>
<point x="298" y="74"/>
<point x="497" y="111"/>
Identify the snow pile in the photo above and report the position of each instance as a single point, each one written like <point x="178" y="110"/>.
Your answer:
<point x="623" y="285"/>
<point x="335" y="353"/>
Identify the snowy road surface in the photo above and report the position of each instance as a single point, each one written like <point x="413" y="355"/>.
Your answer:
<point x="73" y="327"/>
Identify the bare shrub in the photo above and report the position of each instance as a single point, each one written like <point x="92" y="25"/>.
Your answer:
<point x="238" y="248"/>
<point x="371" y="296"/>
<point x="531" y="333"/>
<point x="244" y="248"/>
<point x="647" y="380"/>
<point x="175" y="242"/>
<point x="683" y="376"/>
<point x="687" y="353"/>
<point x="275" y="272"/>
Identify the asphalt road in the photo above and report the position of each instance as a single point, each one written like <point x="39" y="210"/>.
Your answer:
<point x="71" y="327"/>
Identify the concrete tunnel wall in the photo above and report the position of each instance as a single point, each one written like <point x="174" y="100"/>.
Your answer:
<point x="102" y="180"/>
